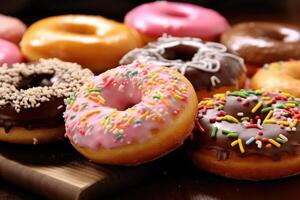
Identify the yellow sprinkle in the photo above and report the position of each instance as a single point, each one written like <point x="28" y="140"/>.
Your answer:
<point x="178" y="97"/>
<point x="241" y="146"/>
<point x="144" y="115"/>
<point x="90" y="86"/>
<point x="287" y="94"/>
<point x="270" y="121"/>
<point x="274" y="143"/>
<point x="291" y="105"/>
<point x="101" y="98"/>
<point x="230" y="118"/>
<point x="235" y="142"/>
<point x="270" y="114"/>
<point x="286" y="123"/>
<point x="202" y="102"/>
<point x="266" y="98"/>
<point x="219" y="95"/>
<point x="269" y="102"/>
<point x="210" y="103"/>
<point x="294" y="123"/>
<point x="256" y="107"/>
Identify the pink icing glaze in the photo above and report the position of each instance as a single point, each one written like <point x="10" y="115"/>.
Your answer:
<point x="9" y="53"/>
<point x="176" y="19"/>
<point x="11" y="28"/>
<point x="123" y="105"/>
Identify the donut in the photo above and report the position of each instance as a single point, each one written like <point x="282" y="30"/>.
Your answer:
<point x="154" y="19"/>
<point x="252" y="135"/>
<point x="11" y="29"/>
<point x="275" y="76"/>
<point x="9" y="53"/>
<point x="131" y="114"/>
<point x="92" y="41"/>
<point x="207" y="65"/>
<point x="262" y="42"/>
<point x="32" y="99"/>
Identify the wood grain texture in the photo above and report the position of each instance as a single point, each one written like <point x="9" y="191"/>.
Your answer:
<point x="56" y="171"/>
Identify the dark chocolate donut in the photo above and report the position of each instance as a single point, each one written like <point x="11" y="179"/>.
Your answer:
<point x="32" y="95"/>
<point x="207" y="65"/>
<point x="262" y="42"/>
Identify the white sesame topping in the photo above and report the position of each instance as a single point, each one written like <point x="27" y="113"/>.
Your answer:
<point x="66" y="77"/>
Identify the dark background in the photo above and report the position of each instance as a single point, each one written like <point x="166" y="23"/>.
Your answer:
<point x="234" y="10"/>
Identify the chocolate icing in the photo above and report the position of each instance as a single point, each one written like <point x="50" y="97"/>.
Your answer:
<point x="234" y="105"/>
<point x="32" y="95"/>
<point x="207" y="65"/>
<point x="262" y="42"/>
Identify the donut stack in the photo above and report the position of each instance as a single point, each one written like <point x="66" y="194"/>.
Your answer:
<point x="175" y="82"/>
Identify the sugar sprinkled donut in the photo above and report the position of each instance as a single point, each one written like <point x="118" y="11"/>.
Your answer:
<point x="248" y="135"/>
<point x="207" y="65"/>
<point x="154" y="19"/>
<point x="131" y="114"/>
<point x="32" y="99"/>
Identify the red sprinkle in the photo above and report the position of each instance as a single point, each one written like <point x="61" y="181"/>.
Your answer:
<point x="260" y="132"/>
<point x="221" y="113"/>
<point x="264" y="139"/>
<point x="199" y="126"/>
<point x="245" y="103"/>
<point x="251" y="126"/>
<point x="212" y="120"/>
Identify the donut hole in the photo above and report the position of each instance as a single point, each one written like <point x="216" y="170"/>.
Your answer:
<point x="272" y="34"/>
<point x="180" y="52"/>
<point x="82" y="29"/>
<point x="122" y="97"/>
<point x="36" y="80"/>
<point x="174" y="13"/>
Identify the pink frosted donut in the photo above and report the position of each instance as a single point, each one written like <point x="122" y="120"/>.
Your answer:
<point x="131" y="114"/>
<point x="176" y="19"/>
<point x="9" y="53"/>
<point x="11" y="28"/>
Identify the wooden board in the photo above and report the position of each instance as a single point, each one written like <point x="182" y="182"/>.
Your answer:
<point x="56" y="171"/>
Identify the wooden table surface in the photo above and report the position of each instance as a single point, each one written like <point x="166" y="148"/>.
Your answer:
<point x="175" y="177"/>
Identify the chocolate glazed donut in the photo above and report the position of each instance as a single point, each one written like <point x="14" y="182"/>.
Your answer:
<point x="207" y="65"/>
<point x="32" y="97"/>
<point x="262" y="42"/>
<point x="248" y="135"/>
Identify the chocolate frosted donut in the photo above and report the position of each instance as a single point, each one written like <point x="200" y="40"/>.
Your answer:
<point x="32" y="98"/>
<point x="207" y="65"/>
<point x="248" y="135"/>
<point x="262" y="42"/>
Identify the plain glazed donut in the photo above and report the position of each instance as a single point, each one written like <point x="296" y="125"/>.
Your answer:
<point x="131" y="114"/>
<point x="261" y="42"/>
<point x="9" y="53"/>
<point x="32" y="99"/>
<point x="248" y="135"/>
<point x="154" y="19"/>
<point x="207" y="65"/>
<point x="11" y="29"/>
<point x="92" y="41"/>
<point x="283" y="76"/>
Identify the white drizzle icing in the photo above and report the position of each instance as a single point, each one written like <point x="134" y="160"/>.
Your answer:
<point x="204" y="60"/>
